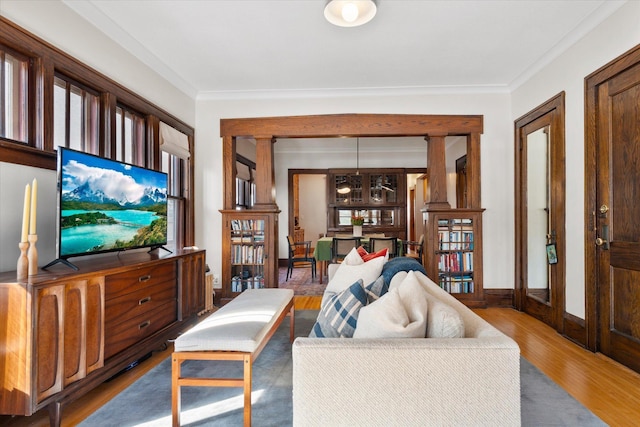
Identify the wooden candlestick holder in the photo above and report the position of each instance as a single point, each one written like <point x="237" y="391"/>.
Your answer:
<point x="23" y="262"/>
<point x="32" y="255"/>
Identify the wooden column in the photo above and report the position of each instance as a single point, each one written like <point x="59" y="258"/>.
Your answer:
<point x="473" y="171"/>
<point x="265" y="176"/>
<point x="436" y="174"/>
<point x="229" y="172"/>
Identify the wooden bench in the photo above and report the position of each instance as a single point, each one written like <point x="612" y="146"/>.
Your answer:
<point x="238" y="331"/>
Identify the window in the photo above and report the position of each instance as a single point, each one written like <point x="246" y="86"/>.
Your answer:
<point x="14" y="76"/>
<point x="86" y="111"/>
<point x="75" y="116"/>
<point x="130" y="136"/>
<point x="372" y="217"/>
<point x="175" y="168"/>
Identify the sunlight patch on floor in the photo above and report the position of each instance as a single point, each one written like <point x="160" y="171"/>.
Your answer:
<point x="206" y="412"/>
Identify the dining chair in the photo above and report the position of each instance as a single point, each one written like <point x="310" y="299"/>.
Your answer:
<point x="390" y="243"/>
<point x="414" y="249"/>
<point x="341" y="246"/>
<point x="303" y="259"/>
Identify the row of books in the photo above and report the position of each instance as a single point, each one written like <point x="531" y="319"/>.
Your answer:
<point x="248" y="239"/>
<point x="239" y="284"/>
<point x="455" y="240"/>
<point x="247" y="254"/>
<point x="247" y="225"/>
<point x="455" y="221"/>
<point x="455" y="261"/>
<point x="457" y="285"/>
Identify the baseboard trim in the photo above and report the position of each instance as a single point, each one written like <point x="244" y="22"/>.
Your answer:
<point x="499" y="297"/>
<point x="574" y="329"/>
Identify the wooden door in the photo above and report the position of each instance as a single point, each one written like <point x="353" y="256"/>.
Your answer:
<point x="540" y="213"/>
<point x="613" y="252"/>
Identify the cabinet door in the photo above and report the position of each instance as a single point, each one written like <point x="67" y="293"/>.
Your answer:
<point x="249" y="251"/>
<point x="83" y="328"/>
<point x="453" y="253"/>
<point x="49" y="327"/>
<point x="75" y="298"/>
<point x="193" y="286"/>
<point x="384" y="188"/>
<point x="94" y="324"/>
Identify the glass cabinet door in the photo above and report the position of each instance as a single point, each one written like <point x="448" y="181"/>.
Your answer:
<point x="383" y="188"/>
<point x="348" y="189"/>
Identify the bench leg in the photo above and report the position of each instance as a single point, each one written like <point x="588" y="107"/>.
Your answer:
<point x="175" y="391"/>
<point x="247" y="390"/>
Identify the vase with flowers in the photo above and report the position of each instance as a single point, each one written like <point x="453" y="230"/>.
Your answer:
<point x="356" y="221"/>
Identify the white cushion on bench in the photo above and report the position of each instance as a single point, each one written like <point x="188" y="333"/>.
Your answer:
<point x="240" y="325"/>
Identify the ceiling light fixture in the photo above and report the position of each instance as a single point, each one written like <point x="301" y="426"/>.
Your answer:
<point x="350" y="13"/>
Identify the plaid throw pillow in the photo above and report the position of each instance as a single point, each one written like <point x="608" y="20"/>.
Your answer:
<point x="376" y="289"/>
<point x="339" y="314"/>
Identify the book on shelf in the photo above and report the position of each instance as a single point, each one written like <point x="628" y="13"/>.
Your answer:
<point x="247" y="254"/>
<point x="457" y="284"/>
<point x="455" y="261"/>
<point x="455" y="240"/>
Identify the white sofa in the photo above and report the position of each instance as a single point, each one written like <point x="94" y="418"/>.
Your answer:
<point x="470" y="381"/>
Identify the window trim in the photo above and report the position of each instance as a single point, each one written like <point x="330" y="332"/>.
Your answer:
<point x="46" y="61"/>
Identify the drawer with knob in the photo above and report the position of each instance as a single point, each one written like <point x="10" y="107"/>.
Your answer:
<point x="140" y="301"/>
<point x="135" y="329"/>
<point x="130" y="281"/>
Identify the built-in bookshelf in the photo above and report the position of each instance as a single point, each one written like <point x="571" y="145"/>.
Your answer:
<point x="247" y="254"/>
<point x="246" y="249"/>
<point x="454" y="252"/>
<point x="455" y="255"/>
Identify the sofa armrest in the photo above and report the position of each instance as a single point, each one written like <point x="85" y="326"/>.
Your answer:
<point x="469" y="381"/>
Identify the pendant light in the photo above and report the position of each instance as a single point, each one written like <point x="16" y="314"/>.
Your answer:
<point x="345" y="186"/>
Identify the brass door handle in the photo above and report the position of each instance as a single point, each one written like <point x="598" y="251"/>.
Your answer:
<point x="599" y="241"/>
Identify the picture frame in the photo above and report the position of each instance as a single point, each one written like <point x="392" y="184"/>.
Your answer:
<point x="552" y="255"/>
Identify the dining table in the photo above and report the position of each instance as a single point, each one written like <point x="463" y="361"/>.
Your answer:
<point x="323" y="248"/>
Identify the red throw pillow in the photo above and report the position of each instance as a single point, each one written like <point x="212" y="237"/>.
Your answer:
<point x="362" y="252"/>
<point x="366" y="256"/>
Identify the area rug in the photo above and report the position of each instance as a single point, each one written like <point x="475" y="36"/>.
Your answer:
<point x="300" y="281"/>
<point x="147" y="402"/>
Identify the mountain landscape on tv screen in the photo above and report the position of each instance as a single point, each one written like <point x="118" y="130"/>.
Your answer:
<point x="107" y="205"/>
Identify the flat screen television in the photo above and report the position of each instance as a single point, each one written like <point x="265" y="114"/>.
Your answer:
<point x="106" y="205"/>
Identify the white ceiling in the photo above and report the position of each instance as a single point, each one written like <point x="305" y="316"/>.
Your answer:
<point x="246" y="48"/>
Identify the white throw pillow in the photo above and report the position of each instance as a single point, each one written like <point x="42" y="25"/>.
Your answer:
<point x="397" y="279"/>
<point x="443" y="321"/>
<point x="347" y="274"/>
<point x="353" y="258"/>
<point x="400" y="313"/>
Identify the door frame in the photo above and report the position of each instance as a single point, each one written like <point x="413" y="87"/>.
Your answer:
<point x="592" y="83"/>
<point x="551" y="113"/>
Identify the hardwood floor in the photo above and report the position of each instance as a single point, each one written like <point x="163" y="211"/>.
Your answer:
<point x="608" y="389"/>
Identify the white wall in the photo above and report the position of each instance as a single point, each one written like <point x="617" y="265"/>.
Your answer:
<point x="58" y="25"/>
<point x="13" y="179"/>
<point x="610" y="39"/>
<point x="313" y="206"/>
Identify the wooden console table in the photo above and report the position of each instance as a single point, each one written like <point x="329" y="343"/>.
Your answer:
<point x="68" y="331"/>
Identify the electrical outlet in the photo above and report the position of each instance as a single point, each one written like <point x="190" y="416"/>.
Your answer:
<point x="216" y="279"/>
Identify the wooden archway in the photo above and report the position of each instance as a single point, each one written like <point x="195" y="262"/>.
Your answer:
<point x="434" y="128"/>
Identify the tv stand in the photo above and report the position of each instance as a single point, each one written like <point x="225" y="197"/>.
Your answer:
<point x="69" y="331"/>
<point x="153" y="248"/>
<point x="63" y="261"/>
